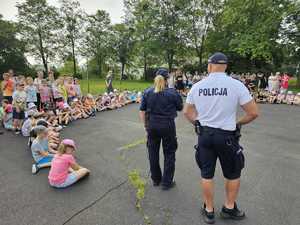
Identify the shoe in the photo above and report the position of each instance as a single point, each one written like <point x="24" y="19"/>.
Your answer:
<point x="166" y="188"/>
<point x="17" y="132"/>
<point x="1" y="132"/>
<point x="234" y="214"/>
<point x="34" y="169"/>
<point x="209" y="217"/>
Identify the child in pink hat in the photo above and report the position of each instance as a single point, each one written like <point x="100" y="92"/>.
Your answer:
<point x="64" y="162"/>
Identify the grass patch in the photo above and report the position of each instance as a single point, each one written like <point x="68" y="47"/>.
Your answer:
<point x="97" y="86"/>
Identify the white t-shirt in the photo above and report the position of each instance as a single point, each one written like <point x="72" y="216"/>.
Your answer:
<point x="217" y="98"/>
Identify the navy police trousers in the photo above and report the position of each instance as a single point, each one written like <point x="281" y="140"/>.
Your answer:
<point x="162" y="131"/>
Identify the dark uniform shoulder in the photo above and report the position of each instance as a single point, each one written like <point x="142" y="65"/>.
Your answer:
<point x="148" y="90"/>
<point x="171" y="91"/>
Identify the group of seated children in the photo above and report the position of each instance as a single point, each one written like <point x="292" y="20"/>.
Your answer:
<point x="265" y="96"/>
<point x="64" y="170"/>
<point x="43" y="129"/>
<point x="60" y="104"/>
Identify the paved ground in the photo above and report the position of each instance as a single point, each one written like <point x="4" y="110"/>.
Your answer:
<point x="269" y="193"/>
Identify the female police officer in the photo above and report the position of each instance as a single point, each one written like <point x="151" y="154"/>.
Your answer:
<point x="158" y="111"/>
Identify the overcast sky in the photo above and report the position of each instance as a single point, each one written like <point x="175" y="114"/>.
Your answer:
<point x="113" y="7"/>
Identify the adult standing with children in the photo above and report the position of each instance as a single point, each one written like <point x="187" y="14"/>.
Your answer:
<point x="158" y="111"/>
<point x="211" y="106"/>
<point x="108" y="82"/>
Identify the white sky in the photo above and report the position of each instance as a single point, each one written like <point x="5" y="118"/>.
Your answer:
<point x="113" y="7"/>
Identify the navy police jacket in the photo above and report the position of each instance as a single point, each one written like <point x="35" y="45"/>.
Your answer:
<point x="162" y="105"/>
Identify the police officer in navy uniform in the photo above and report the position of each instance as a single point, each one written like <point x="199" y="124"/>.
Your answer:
<point x="212" y="106"/>
<point x="158" y="111"/>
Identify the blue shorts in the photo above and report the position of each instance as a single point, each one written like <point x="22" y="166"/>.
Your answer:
<point x="18" y="115"/>
<point x="44" y="160"/>
<point x="71" y="179"/>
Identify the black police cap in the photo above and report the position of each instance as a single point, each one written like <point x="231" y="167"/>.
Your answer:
<point x="218" y="58"/>
<point x="163" y="72"/>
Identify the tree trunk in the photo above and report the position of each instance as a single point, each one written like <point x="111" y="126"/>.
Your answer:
<point x="145" y="66"/>
<point x="298" y="75"/>
<point x="73" y="57"/>
<point x="122" y="71"/>
<point x="99" y="62"/>
<point x="45" y="63"/>
<point x="170" y="57"/>
<point x="200" y="53"/>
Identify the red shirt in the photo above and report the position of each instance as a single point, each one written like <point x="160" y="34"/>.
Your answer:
<point x="285" y="81"/>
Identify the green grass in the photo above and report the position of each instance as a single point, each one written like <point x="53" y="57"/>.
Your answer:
<point x="97" y="86"/>
<point x="292" y="86"/>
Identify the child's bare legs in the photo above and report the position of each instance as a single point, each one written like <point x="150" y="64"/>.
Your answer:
<point x="82" y="172"/>
<point x="16" y="124"/>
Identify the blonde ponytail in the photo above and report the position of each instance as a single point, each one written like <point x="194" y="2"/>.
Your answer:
<point x="159" y="84"/>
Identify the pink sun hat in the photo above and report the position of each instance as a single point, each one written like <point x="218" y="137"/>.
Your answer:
<point x="69" y="142"/>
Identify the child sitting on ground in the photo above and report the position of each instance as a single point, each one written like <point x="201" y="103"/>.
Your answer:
<point x="28" y="124"/>
<point x="90" y="105"/>
<point x="39" y="149"/>
<point x="290" y="98"/>
<point x="64" y="162"/>
<point x="52" y="135"/>
<point x="76" y="112"/>
<point x="7" y="115"/>
<point x="297" y="99"/>
<point x="281" y="97"/>
<point x="272" y="97"/>
<point x="63" y="113"/>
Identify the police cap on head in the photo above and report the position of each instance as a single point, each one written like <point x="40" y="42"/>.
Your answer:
<point x="163" y="72"/>
<point x="218" y="58"/>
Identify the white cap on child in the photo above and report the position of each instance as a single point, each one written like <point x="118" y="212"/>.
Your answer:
<point x="31" y="105"/>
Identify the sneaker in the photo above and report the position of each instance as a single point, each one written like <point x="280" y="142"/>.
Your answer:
<point x="17" y="132"/>
<point x="234" y="214"/>
<point x="209" y="217"/>
<point x="34" y="169"/>
<point x="166" y="188"/>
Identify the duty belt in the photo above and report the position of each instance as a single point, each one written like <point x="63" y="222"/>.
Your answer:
<point x="218" y="130"/>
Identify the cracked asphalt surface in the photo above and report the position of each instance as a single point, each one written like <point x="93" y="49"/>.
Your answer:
<point x="270" y="191"/>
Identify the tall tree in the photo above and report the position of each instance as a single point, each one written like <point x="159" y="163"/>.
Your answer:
<point x="73" y="21"/>
<point x="123" y="44"/>
<point x="198" y="19"/>
<point x="141" y="14"/>
<point x="169" y="27"/>
<point x="39" y="25"/>
<point x="290" y="36"/>
<point x="249" y="28"/>
<point x="11" y="49"/>
<point x="98" y="37"/>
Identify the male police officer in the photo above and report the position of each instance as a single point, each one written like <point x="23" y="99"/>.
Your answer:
<point x="212" y="106"/>
<point x="158" y="111"/>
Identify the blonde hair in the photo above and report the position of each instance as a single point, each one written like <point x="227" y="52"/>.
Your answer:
<point x="159" y="84"/>
<point x="62" y="148"/>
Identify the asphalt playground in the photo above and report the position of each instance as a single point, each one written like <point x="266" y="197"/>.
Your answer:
<point x="112" y="144"/>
